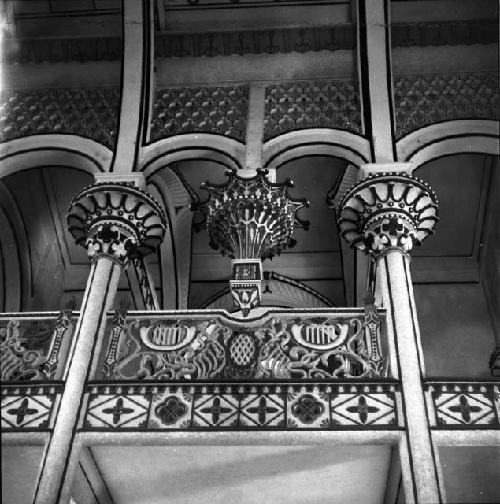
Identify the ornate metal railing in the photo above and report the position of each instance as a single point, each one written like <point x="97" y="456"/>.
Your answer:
<point x="212" y="346"/>
<point x="34" y="346"/>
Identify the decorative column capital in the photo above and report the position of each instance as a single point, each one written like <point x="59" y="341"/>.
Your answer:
<point x="388" y="211"/>
<point x="250" y="219"/>
<point x="117" y="220"/>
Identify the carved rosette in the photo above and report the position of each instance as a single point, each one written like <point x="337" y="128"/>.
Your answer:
<point x="250" y="219"/>
<point x="117" y="220"/>
<point x="388" y="211"/>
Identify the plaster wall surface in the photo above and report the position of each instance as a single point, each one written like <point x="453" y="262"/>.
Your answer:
<point x="20" y="467"/>
<point x="456" y="331"/>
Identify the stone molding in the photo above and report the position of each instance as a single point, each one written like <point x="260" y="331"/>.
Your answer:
<point x="228" y="43"/>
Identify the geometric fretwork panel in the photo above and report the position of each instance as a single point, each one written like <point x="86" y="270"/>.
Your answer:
<point x="421" y="100"/>
<point x="90" y="113"/>
<point x="312" y="104"/>
<point x="244" y="406"/>
<point x="463" y="405"/>
<point x="219" y="110"/>
<point x="25" y="408"/>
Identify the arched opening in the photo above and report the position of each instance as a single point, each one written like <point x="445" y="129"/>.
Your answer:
<point x="449" y="270"/>
<point x="52" y="269"/>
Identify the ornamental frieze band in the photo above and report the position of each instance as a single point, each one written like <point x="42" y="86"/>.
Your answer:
<point x="242" y="406"/>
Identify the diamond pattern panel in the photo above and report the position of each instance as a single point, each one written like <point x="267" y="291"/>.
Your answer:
<point x="117" y="411"/>
<point x="28" y="408"/>
<point x="464" y="405"/>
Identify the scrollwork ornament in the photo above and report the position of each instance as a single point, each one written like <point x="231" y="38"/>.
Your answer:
<point x="388" y="211"/>
<point x="117" y="220"/>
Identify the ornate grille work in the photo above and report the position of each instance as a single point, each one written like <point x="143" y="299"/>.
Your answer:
<point x="90" y="113"/>
<point x="421" y="100"/>
<point x="315" y="347"/>
<point x="312" y="104"/>
<point x="34" y="349"/>
<point x="221" y="110"/>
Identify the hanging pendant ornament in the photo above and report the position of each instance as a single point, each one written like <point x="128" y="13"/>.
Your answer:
<point x="249" y="219"/>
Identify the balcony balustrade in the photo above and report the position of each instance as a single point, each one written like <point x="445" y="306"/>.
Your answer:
<point x="212" y="345"/>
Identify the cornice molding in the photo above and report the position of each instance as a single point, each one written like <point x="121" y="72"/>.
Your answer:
<point x="268" y="41"/>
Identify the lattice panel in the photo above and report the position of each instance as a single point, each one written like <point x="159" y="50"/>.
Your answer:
<point x="421" y="100"/>
<point x="242" y="406"/>
<point x="464" y="405"/>
<point x="91" y="113"/>
<point x="219" y="110"/>
<point x="29" y="407"/>
<point x="312" y="104"/>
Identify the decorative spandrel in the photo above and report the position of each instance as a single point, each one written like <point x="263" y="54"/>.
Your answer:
<point x="34" y="348"/>
<point x="249" y="219"/>
<point x="321" y="345"/>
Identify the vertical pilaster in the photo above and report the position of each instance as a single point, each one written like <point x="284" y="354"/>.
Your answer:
<point x="374" y="67"/>
<point x="385" y="215"/>
<point x="255" y="128"/>
<point x="116" y="223"/>
<point x="136" y="99"/>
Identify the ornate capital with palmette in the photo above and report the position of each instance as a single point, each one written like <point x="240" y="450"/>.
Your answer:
<point x="387" y="211"/>
<point x="117" y="220"/>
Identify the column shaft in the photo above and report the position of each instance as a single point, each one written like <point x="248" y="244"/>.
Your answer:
<point x="99" y="295"/>
<point x="394" y="286"/>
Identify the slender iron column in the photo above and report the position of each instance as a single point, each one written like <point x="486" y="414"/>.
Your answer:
<point x="116" y="223"/>
<point x="385" y="215"/>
